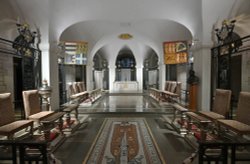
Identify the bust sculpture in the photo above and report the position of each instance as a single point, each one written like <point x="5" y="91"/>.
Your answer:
<point x="192" y="78"/>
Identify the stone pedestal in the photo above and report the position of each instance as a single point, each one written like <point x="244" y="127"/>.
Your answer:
<point x="193" y="97"/>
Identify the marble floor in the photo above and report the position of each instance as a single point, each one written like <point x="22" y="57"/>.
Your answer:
<point x="77" y="145"/>
<point x="122" y="103"/>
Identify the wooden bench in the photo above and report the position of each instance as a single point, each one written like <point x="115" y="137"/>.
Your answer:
<point x="155" y="93"/>
<point x="172" y="91"/>
<point x="95" y="94"/>
<point x="77" y="92"/>
<point x="81" y="95"/>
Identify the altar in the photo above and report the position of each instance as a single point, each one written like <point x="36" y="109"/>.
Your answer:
<point x="126" y="87"/>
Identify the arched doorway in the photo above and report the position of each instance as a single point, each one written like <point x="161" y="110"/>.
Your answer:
<point x="151" y="70"/>
<point x="125" y="72"/>
<point x="100" y="72"/>
<point x="125" y="66"/>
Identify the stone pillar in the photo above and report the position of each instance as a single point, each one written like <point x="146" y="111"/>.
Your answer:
<point x="112" y="74"/>
<point x="139" y="78"/>
<point x="54" y="75"/>
<point x="162" y="75"/>
<point x="89" y="76"/>
<point x="202" y="67"/>
<point x="45" y="62"/>
<point x="50" y="71"/>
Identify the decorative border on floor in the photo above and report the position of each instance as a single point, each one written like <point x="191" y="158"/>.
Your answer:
<point x="125" y="141"/>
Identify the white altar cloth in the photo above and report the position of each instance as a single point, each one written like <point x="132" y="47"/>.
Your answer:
<point x="126" y="87"/>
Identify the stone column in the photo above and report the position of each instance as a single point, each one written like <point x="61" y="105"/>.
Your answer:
<point x="139" y="78"/>
<point x="202" y="67"/>
<point x="45" y="61"/>
<point x="50" y="71"/>
<point x="112" y="74"/>
<point x="89" y="76"/>
<point x="162" y="75"/>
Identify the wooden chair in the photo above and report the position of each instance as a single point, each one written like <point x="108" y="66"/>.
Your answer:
<point x="81" y="86"/>
<point x="172" y="92"/>
<point x="47" y="120"/>
<point x="204" y="119"/>
<point x="32" y="106"/>
<point x="75" y="87"/>
<point x="221" y="106"/>
<point x="71" y="90"/>
<point x="241" y="124"/>
<point x="77" y="93"/>
<point x="8" y="125"/>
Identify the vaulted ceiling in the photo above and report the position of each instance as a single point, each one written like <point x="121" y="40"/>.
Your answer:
<point x="100" y="22"/>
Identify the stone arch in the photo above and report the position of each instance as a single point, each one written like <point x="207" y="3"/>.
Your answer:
<point x="125" y="65"/>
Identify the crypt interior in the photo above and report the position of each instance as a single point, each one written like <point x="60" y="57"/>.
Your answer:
<point x="125" y="81"/>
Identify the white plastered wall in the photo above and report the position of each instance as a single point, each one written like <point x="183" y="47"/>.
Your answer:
<point x="6" y="74"/>
<point x="245" y="72"/>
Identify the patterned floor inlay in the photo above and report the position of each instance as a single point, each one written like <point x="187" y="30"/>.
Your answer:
<point x="124" y="141"/>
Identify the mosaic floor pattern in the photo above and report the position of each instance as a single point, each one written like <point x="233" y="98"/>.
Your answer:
<point x="124" y="141"/>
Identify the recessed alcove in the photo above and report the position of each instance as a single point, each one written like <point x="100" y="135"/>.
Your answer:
<point x="125" y="66"/>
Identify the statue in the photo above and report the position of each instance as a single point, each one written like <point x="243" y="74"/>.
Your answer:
<point x="192" y="79"/>
<point x="24" y="42"/>
<point x="226" y="35"/>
